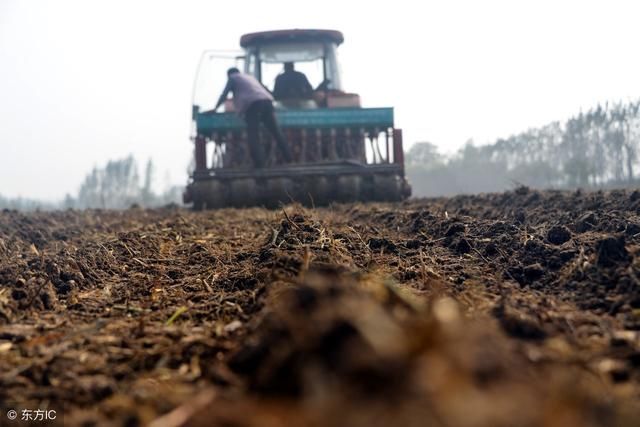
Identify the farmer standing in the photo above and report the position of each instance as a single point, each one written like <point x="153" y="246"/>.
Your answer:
<point x="254" y="102"/>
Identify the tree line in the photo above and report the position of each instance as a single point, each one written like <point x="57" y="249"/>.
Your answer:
<point x="117" y="185"/>
<point x="598" y="148"/>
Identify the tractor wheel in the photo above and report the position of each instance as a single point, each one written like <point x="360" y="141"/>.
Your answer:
<point x="348" y="188"/>
<point x="242" y="192"/>
<point x="387" y="188"/>
<point x="279" y="190"/>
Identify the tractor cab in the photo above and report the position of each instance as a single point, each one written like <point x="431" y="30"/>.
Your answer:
<point x="265" y="55"/>
<point x="312" y="53"/>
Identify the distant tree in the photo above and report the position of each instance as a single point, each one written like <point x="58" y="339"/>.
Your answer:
<point x="424" y="154"/>
<point x="116" y="186"/>
<point x="147" y="189"/>
<point x="90" y="194"/>
<point x="69" y="202"/>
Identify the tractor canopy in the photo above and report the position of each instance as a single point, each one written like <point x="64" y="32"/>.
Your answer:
<point x="286" y="36"/>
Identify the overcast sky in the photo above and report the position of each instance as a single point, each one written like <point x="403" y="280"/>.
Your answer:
<point x="85" y="81"/>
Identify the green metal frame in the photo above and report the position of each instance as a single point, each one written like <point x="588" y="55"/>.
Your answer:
<point x="320" y="118"/>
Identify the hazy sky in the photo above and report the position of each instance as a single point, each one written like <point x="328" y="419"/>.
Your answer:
<point x="90" y="80"/>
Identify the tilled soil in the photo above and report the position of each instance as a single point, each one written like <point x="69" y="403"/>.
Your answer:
<point x="520" y="308"/>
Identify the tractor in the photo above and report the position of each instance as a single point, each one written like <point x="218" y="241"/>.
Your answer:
<point x="342" y="151"/>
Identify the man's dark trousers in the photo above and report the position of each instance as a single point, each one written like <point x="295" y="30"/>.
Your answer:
<point x="262" y="112"/>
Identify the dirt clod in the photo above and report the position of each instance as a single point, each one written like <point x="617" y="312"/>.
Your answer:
<point x="611" y="251"/>
<point x="558" y="234"/>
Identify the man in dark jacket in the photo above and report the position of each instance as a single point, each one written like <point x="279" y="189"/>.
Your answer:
<point x="254" y="102"/>
<point x="292" y="84"/>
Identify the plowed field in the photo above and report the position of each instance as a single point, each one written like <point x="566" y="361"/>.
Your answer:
<point x="513" y="309"/>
